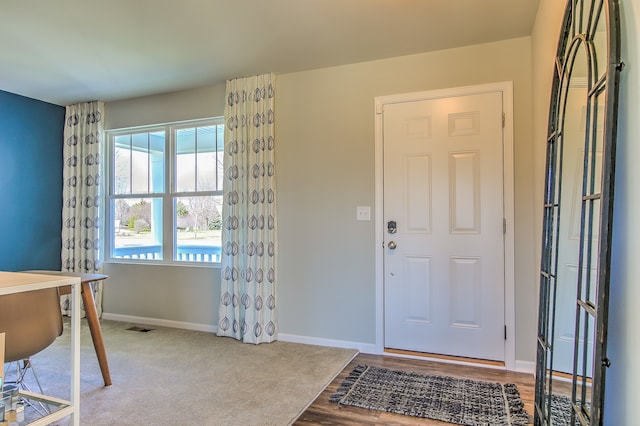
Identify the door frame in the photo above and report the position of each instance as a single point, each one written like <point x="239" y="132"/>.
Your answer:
<point x="506" y="88"/>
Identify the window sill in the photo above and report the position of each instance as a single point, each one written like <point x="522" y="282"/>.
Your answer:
<point x="161" y="263"/>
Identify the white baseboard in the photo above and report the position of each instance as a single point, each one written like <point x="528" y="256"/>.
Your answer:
<point x="160" y="322"/>
<point x="526" y="367"/>
<point x="362" y="347"/>
<point x="368" y="348"/>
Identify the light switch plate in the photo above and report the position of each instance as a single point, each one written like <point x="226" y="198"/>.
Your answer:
<point x="363" y="213"/>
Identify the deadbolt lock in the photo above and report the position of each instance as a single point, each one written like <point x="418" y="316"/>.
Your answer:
<point x="392" y="227"/>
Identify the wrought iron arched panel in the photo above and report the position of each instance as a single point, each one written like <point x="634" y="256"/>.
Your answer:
<point x="578" y="213"/>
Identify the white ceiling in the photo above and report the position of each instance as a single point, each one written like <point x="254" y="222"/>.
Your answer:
<point x="68" y="51"/>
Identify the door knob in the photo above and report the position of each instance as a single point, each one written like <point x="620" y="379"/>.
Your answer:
<point x="392" y="245"/>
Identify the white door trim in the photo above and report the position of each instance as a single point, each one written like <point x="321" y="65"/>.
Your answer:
<point x="506" y="88"/>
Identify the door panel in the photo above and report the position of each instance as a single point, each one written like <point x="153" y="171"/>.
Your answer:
<point x="417" y="170"/>
<point x="417" y="289"/>
<point x="465" y="292"/>
<point x="464" y="192"/>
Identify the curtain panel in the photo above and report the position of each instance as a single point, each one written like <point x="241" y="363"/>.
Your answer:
<point x="247" y="309"/>
<point x="81" y="204"/>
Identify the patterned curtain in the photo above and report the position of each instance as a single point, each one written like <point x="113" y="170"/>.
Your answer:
<point x="83" y="136"/>
<point x="248" y="263"/>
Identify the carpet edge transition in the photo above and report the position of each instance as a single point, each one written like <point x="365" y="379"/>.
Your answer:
<point x="312" y="400"/>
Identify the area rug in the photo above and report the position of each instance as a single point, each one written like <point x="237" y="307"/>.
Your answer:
<point x="560" y="410"/>
<point x="459" y="401"/>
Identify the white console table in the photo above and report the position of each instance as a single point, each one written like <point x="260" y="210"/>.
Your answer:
<point x="16" y="282"/>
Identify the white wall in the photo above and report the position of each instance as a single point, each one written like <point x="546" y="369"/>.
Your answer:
<point x="325" y="164"/>
<point x="622" y="395"/>
<point x="544" y="41"/>
<point x="203" y="102"/>
<point x="325" y="168"/>
<point x="621" y="399"/>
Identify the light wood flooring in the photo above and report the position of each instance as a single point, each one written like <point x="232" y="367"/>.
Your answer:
<point x="323" y="412"/>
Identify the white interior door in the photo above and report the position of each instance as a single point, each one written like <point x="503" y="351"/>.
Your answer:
<point x="444" y="262"/>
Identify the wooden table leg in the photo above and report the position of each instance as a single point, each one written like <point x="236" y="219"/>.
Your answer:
<point x="96" y="331"/>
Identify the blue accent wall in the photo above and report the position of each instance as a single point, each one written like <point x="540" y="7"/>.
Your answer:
<point x="31" y="138"/>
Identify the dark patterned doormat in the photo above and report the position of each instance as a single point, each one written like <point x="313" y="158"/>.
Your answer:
<point x="560" y="410"/>
<point x="459" y="401"/>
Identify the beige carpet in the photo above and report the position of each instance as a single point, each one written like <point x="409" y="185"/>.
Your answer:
<point x="178" y="377"/>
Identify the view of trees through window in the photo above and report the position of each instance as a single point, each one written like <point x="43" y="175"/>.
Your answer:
<point x="183" y="223"/>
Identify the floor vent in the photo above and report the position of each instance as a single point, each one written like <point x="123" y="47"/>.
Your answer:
<point x="140" y="329"/>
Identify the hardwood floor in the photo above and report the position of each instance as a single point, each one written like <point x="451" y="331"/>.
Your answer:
<point x="323" y="412"/>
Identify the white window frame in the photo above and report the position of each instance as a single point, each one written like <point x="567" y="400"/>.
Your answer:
<point x="169" y="219"/>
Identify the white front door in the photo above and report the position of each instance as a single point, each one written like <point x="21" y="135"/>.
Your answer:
<point x="443" y="214"/>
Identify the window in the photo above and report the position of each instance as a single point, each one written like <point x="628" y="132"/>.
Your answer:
<point x="165" y="192"/>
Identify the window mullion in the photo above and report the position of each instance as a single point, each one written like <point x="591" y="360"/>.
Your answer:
<point x="196" y="159"/>
<point x="168" y="234"/>
<point x="130" y="164"/>
<point x="150" y="188"/>
<point x="215" y="158"/>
